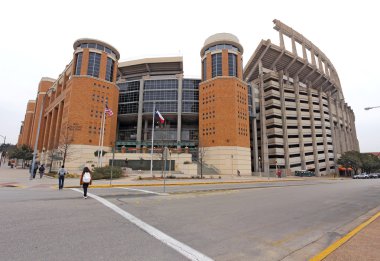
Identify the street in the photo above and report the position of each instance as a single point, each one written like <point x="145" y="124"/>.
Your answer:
<point x="286" y="220"/>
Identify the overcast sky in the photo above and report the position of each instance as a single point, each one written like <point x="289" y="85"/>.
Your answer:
<point x="37" y="39"/>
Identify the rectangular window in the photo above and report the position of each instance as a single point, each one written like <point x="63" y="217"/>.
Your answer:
<point x="232" y="67"/>
<point x="78" y="65"/>
<point x="216" y="65"/>
<point x="109" y="69"/>
<point x="93" y="64"/>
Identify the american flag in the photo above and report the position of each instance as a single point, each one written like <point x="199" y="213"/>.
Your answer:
<point x="108" y="111"/>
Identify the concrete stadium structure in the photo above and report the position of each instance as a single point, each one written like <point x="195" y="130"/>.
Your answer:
<point x="300" y="119"/>
<point x="285" y="109"/>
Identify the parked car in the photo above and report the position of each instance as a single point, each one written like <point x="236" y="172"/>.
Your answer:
<point x="373" y="176"/>
<point x="304" y="173"/>
<point x="361" y="176"/>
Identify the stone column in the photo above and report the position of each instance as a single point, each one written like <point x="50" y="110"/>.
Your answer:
<point x="139" y="115"/>
<point x="179" y="111"/>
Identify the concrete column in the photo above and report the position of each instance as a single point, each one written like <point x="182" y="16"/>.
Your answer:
<point x="339" y="129"/>
<point x="304" y="54"/>
<point x="345" y="125"/>
<point x="179" y="110"/>
<point x="284" y="121"/>
<point x="146" y="130"/>
<point x="282" y="43"/>
<point x="294" y="48"/>
<point x="255" y="150"/>
<point x="323" y="123"/>
<point x="313" y="134"/>
<point x="299" y="121"/>
<point x="313" y="57"/>
<point x="332" y="128"/>
<point x="139" y="115"/>
<point x="320" y="64"/>
<point x="264" y="138"/>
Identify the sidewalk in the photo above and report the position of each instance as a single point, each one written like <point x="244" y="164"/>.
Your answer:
<point x="20" y="177"/>
<point x="362" y="243"/>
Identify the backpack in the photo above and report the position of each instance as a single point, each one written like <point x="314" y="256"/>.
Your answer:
<point x="42" y="169"/>
<point x="86" y="177"/>
<point x="62" y="172"/>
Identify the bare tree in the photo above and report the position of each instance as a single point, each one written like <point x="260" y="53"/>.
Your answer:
<point x="64" y="148"/>
<point x="201" y="153"/>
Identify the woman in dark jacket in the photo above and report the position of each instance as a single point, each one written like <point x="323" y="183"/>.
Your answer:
<point x="85" y="181"/>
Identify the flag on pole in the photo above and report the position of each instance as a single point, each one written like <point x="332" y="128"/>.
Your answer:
<point x="162" y="120"/>
<point x="108" y="111"/>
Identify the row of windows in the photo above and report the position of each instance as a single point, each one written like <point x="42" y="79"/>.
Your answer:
<point x="223" y="46"/>
<point x="125" y="108"/>
<point x="160" y="95"/>
<point x="97" y="46"/>
<point x="160" y="84"/>
<point x="161" y="106"/>
<point x="129" y="86"/>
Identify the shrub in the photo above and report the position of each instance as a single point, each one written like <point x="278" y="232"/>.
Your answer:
<point x="187" y="162"/>
<point x="105" y="173"/>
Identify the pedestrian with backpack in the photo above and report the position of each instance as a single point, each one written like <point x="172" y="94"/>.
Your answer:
<point x="41" y="170"/>
<point x="61" y="176"/>
<point x="85" y="180"/>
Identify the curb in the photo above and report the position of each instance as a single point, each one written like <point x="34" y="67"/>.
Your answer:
<point x="183" y="184"/>
<point x="344" y="239"/>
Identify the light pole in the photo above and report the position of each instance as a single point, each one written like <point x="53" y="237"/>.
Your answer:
<point x="38" y="132"/>
<point x="370" y="108"/>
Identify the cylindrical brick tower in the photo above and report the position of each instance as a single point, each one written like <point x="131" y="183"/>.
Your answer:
<point x="223" y="106"/>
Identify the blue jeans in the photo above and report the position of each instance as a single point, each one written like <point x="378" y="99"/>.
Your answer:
<point x="61" y="179"/>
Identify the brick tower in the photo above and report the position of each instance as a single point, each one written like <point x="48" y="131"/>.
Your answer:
<point x="223" y="106"/>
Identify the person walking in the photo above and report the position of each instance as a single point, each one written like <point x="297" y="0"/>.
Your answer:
<point x="61" y="176"/>
<point x="41" y="170"/>
<point x="35" y="170"/>
<point x="85" y="180"/>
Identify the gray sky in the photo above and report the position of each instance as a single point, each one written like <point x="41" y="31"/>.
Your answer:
<point x="37" y="38"/>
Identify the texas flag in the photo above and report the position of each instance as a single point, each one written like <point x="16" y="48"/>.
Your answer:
<point x="162" y="120"/>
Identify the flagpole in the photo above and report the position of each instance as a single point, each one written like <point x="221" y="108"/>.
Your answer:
<point x="151" y="151"/>
<point x="102" y="139"/>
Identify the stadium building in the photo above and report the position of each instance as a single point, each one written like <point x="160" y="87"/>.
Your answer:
<point x="284" y="110"/>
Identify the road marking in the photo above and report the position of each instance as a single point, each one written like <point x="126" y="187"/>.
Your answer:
<point x="343" y="240"/>
<point x="183" y="249"/>
<point x="147" y="191"/>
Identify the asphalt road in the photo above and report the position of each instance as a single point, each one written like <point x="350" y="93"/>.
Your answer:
<point x="223" y="222"/>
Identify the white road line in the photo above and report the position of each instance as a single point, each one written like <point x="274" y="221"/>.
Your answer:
<point x="183" y="249"/>
<point x="147" y="191"/>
